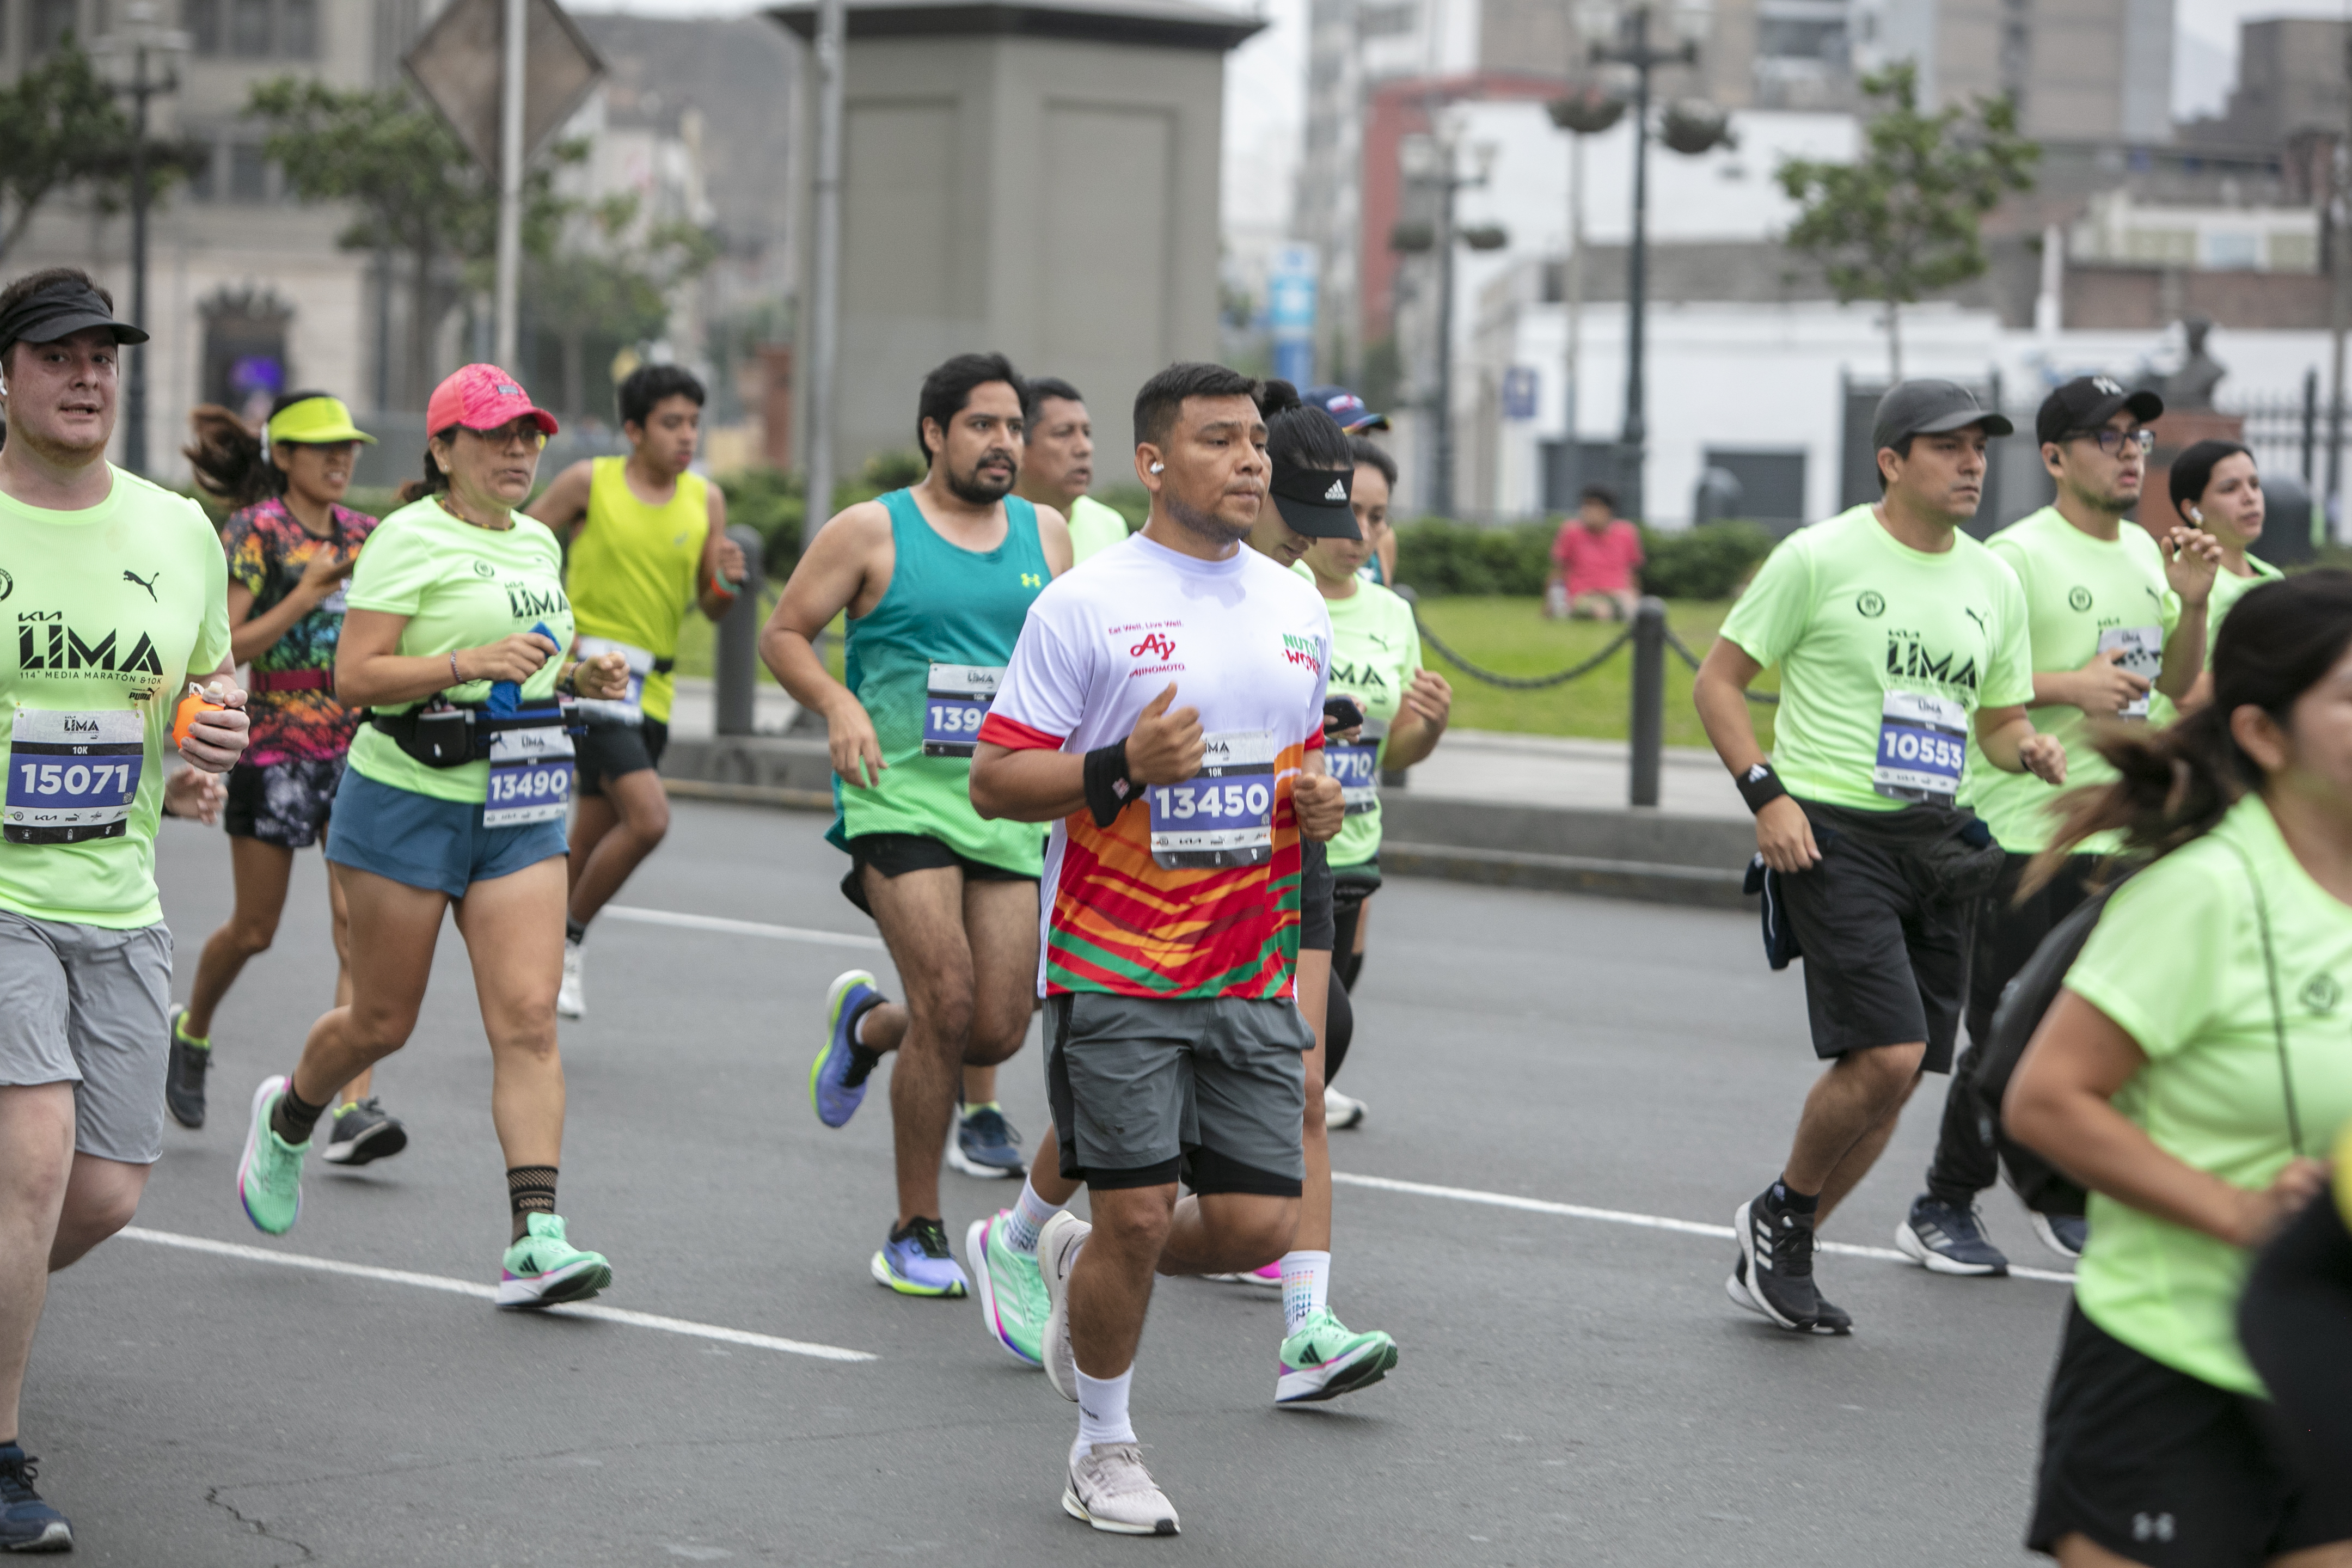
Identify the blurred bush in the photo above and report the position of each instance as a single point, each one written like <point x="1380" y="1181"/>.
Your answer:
<point x="1711" y="561"/>
<point x="1442" y="558"/>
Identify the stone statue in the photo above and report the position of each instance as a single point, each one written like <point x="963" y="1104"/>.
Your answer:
<point x="2191" y="386"/>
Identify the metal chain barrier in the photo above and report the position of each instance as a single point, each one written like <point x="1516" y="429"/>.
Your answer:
<point x="1691" y="659"/>
<point x="1521" y="683"/>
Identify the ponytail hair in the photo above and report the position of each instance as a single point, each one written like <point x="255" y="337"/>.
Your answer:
<point x="437" y="478"/>
<point x="232" y="460"/>
<point x="2177" y="784"/>
<point x="1300" y="432"/>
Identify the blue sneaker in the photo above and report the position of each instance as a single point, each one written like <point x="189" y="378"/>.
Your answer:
<point x="2063" y="1234"/>
<point x="1948" y="1240"/>
<point x="26" y="1523"/>
<point x="916" y="1261"/>
<point x="838" y="1080"/>
<point x="986" y="1145"/>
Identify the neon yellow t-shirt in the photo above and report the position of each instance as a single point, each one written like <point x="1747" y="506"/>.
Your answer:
<point x="2176" y="962"/>
<point x="114" y="607"/>
<point x="2081" y="594"/>
<point x="1094" y="528"/>
<point x="633" y="571"/>
<point x="1375" y="649"/>
<point x="1885" y="654"/>
<point x="2228" y="589"/>
<point x="460" y="586"/>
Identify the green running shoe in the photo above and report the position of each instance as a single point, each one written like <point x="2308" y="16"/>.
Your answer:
<point x="270" y="1177"/>
<point x="544" y="1268"/>
<point x="1326" y="1359"/>
<point x="1012" y="1289"/>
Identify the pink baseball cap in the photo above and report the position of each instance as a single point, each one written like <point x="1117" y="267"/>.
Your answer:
<point x="482" y="398"/>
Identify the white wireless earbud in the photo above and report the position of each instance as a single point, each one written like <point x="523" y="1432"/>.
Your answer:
<point x="1158" y="468"/>
<point x="2196" y="514"/>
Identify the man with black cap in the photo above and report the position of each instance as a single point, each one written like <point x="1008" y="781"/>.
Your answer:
<point x="2117" y="622"/>
<point x="1163" y="710"/>
<point x="119" y="594"/>
<point x="1897" y="636"/>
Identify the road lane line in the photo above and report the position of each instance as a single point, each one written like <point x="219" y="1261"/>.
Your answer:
<point x="485" y="1292"/>
<point x="740" y="928"/>
<point x="1644" y="1221"/>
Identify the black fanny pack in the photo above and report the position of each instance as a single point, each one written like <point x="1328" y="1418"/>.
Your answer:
<point x="451" y="734"/>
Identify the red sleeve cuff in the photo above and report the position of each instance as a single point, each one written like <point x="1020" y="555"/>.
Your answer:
<point x="1014" y="736"/>
<point x="1314" y="739"/>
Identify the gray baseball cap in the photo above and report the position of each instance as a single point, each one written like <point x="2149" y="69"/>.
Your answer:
<point x="1931" y="408"/>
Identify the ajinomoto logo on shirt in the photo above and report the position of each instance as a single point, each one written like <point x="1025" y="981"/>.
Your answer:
<point x="1302" y="651"/>
<point x="47" y="644"/>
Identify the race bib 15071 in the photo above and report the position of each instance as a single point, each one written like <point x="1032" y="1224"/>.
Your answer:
<point x="1923" y="742"/>
<point x="955" y="699"/>
<point x="1356" y="765"/>
<point x="72" y="776"/>
<point x="530" y="775"/>
<point x="1223" y="814"/>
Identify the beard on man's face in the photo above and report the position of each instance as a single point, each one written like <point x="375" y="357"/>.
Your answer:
<point x="985" y="488"/>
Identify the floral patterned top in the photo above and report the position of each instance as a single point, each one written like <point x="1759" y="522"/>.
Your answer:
<point x="267" y="550"/>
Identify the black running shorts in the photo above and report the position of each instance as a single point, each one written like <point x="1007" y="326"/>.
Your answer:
<point x="609" y="750"/>
<point x="896" y="854"/>
<point x="1885" y="961"/>
<point x="2164" y="1469"/>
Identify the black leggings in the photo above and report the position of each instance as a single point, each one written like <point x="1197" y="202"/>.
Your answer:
<point x="2295" y="1321"/>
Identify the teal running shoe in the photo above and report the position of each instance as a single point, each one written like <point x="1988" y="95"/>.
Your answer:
<point x="543" y="1270"/>
<point x="1012" y="1289"/>
<point x="1326" y="1359"/>
<point x="270" y="1177"/>
<point x="837" y="1079"/>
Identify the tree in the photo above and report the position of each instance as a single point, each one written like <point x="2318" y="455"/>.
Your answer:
<point x="418" y="190"/>
<point x="617" y="286"/>
<point x="1902" y="221"/>
<point x="61" y="126"/>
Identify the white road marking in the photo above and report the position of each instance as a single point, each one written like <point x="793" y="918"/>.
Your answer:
<point x="740" y="928"/>
<point x="1646" y="1221"/>
<point x="486" y="1292"/>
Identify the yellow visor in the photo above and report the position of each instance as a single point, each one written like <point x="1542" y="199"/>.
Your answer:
<point x="316" y="422"/>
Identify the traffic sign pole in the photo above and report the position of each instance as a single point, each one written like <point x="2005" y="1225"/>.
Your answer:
<point x="510" y="104"/>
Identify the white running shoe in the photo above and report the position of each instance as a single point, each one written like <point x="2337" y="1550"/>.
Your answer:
<point x="1058" y="1249"/>
<point x="1340" y="1111"/>
<point x="1110" y="1489"/>
<point x="569" y="1004"/>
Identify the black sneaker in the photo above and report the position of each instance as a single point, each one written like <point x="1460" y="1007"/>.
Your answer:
<point x="1831" y="1320"/>
<point x="364" y="1131"/>
<point x="1946" y="1239"/>
<point x="1776" y="1246"/>
<point x="2063" y="1234"/>
<point x="26" y="1523"/>
<point x="184" y="1076"/>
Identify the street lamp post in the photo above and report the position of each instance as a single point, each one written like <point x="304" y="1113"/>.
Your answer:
<point x="132" y="47"/>
<point x="1443" y="176"/>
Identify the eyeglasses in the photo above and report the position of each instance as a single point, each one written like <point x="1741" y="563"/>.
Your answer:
<point x="2113" y="442"/>
<point x="522" y="432"/>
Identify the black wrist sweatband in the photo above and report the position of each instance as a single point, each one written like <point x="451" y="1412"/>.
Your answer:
<point x="1760" y="787"/>
<point x="1108" y="789"/>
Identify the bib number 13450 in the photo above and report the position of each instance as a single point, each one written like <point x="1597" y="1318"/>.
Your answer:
<point x="1223" y="816"/>
<point x="72" y="776"/>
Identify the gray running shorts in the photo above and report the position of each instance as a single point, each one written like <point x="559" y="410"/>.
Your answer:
<point x="1142" y="1088"/>
<point x="84" y="1004"/>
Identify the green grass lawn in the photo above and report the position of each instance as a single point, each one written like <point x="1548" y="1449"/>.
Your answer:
<point x="697" y="640"/>
<point x="1510" y="637"/>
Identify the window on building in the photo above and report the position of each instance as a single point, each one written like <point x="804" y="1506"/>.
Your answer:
<point x="1385" y="21"/>
<point x="248" y="172"/>
<point x="204" y="21"/>
<point x="52" y="21"/>
<point x="202" y="184"/>
<point x="1771" y="484"/>
<point x="2232" y="250"/>
<point x="298" y="30"/>
<point x="250" y="28"/>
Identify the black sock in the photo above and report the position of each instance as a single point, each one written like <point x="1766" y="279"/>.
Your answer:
<point x="574" y="931"/>
<point x="530" y="1189"/>
<point x="1788" y="1197"/>
<point x="293" y="1117"/>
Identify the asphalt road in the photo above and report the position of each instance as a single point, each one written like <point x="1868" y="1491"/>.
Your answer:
<point x="1572" y="1388"/>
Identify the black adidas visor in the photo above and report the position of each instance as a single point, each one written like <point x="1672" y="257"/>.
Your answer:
<point x="1314" y="501"/>
<point x="59" y="311"/>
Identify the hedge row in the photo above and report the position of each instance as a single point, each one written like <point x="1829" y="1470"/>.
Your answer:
<point x="1440" y="558"/>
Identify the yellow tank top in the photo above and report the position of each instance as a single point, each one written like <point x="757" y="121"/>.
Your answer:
<point x="633" y="568"/>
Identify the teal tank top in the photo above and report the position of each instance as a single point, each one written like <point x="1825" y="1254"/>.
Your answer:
<point x="925" y="663"/>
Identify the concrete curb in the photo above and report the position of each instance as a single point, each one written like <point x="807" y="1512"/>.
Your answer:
<point x="1622" y="853"/>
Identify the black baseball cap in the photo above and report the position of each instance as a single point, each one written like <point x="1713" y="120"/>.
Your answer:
<point x="1314" y="501"/>
<point x="2087" y="403"/>
<point x="1931" y="408"/>
<point x="59" y="309"/>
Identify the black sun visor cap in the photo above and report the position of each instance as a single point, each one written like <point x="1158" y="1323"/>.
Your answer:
<point x="59" y="311"/>
<point x="2087" y="403"/>
<point x="1931" y="408"/>
<point x="1314" y="501"/>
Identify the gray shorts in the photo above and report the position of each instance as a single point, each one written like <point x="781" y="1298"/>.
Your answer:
<point x="1144" y="1090"/>
<point x="84" y="1005"/>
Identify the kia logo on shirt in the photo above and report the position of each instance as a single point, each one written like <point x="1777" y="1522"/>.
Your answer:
<point x="1154" y="645"/>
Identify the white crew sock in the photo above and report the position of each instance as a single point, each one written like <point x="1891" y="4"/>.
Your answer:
<point x="857" y="1030"/>
<point x="1102" y="1411"/>
<point x="1029" y="1214"/>
<point x="1305" y="1287"/>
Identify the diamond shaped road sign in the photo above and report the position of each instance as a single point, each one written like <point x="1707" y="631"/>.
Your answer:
<point x="456" y="66"/>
